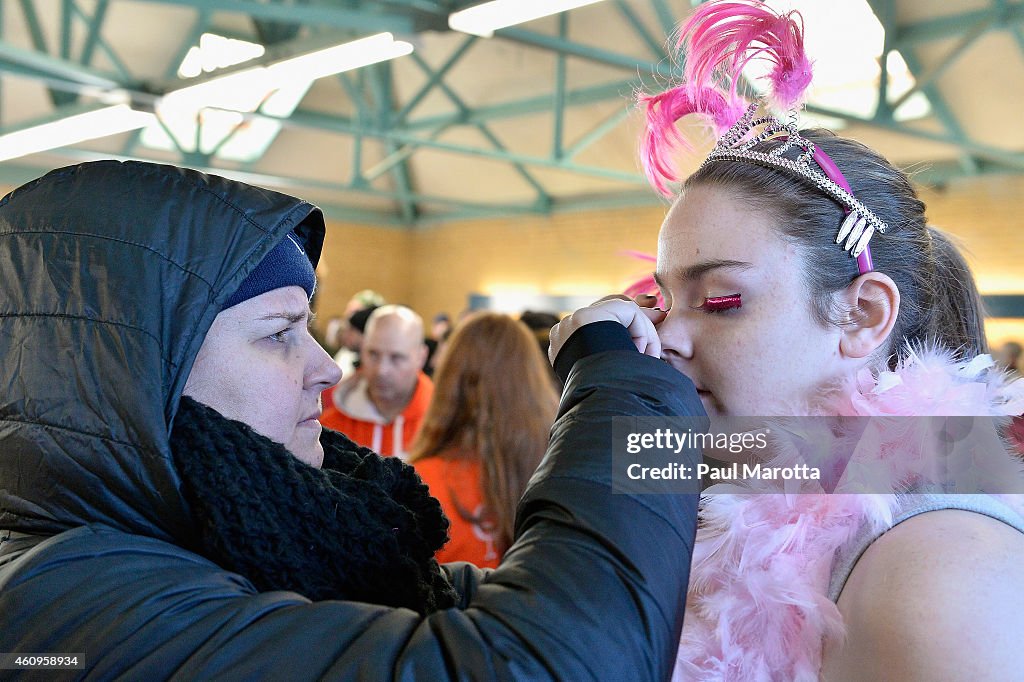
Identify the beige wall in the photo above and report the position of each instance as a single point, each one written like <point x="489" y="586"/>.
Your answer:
<point x="435" y="268"/>
<point x="357" y="257"/>
<point x="985" y="214"/>
<point x="440" y="266"/>
<point x="579" y="254"/>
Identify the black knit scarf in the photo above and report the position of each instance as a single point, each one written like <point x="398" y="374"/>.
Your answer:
<point x="363" y="528"/>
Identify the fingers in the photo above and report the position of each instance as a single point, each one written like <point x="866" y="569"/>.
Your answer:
<point x="643" y="332"/>
<point x="655" y="315"/>
<point x="646" y="300"/>
<point x="639" y="322"/>
<point x="614" y="297"/>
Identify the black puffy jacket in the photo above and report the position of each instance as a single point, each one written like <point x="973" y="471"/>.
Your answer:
<point x="110" y="276"/>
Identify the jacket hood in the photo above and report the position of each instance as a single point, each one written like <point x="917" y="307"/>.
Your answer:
<point x="111" y="274"/>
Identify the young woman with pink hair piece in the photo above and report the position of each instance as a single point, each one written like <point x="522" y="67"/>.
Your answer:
<point x="801" y="279"/>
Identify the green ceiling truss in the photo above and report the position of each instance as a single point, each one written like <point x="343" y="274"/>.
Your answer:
<point x="378" y="116"/>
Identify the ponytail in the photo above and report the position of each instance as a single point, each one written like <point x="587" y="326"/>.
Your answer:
<point x="956" y="316"/>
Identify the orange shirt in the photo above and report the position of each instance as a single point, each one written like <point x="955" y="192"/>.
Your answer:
<point x="346" y="410"/>
<point x="459" y="479"/>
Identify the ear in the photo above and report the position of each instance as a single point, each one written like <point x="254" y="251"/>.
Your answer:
<point x="873" y="301"/>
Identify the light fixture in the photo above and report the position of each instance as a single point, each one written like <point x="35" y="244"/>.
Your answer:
<point x="483" y="20"/>
<point x="88" y="125"/>
<point x="339" y="58"/>
<point x="204" y="116"/>
<point x="242" y="90"/>
<point x="258" y="80"/>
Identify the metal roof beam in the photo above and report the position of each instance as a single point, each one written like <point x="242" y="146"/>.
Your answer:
<point x="1" y="81"/>
<point x="53" y="69"/>
<point x="35" y="29"/>
<point x="1018" y="34"/>
<point x="657" y="48"/>
<point x="558" y="97"/>
<point x="940" y="107"/>
<point x="318" y="121"/>
<point x="429" y="6"/>
<point x="588" y="52"/>
<point x="357" y="96"/>
<point x="886" y="15"/>
<point x="598" y="132"/>
<point x="885" y="11"/>
<point x="618" y="90"/>
<point x="57" y="114"/>
<point x="435" y="78"/>
<point x="200" y="25"/>
<point x="953" y="25"/>
<point x="58" y="96"/>
<point x="403" y="153"/>
<point x="543" y="197"/>
<point x="1008" y="158"/>
<point x="283" y="183"/>
<point x="380" y="84"/>
<point x="665" y="16"/>
<point x="66" y="14"/>
<point x="92" y="39"/>
<point x="928" y="77"/>
<point x="309" y="14"/>
<point x="95" y="39"/>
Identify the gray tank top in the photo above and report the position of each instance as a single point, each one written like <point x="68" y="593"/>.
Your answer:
<point x="911" y="506"/>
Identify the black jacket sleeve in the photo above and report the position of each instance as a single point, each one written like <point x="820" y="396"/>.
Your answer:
<point x="593" y="587"/>
<point x="589" y="339"/>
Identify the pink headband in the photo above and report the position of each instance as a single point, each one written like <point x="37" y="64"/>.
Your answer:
<point x="825" y="162"/>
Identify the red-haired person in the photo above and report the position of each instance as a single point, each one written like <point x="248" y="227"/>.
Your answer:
<point x="485" y="432"/>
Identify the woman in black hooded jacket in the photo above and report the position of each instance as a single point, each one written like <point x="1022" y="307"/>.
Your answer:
<point x="156" y="537"/>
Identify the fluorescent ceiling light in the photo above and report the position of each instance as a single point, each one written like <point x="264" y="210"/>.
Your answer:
<point x="332" y="60"/>
<point x="217" y="52"/>
<point x="217" y="99"/>
<point x="90" y="125"/>
<point x="306" y="67"/>
<point x="241" y="90"/>
<point x="483" y="20"/>
<point x="204" y="117"/>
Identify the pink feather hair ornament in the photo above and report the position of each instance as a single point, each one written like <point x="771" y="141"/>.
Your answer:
<point x="718" y="41"/>
<point x="734" y="33"/>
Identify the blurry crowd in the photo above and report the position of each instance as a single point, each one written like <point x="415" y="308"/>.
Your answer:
<point x="467" y="401"/>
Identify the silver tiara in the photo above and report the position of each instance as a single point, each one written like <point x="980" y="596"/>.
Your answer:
<point x="811" y="164"/>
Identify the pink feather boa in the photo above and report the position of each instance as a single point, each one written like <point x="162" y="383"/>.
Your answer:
<point x="757" y="607"/>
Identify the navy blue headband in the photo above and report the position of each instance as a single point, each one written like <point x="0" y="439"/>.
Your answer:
<point x="286" y="265"/>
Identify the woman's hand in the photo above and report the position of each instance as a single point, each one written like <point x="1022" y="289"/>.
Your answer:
<point x="639" y="321"/>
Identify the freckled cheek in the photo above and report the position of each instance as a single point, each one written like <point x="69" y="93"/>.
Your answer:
<point x="722" y="336"/>
<point x="298" y="366"/>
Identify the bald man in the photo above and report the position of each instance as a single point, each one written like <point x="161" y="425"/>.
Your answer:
<point x="381" y="406"/>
